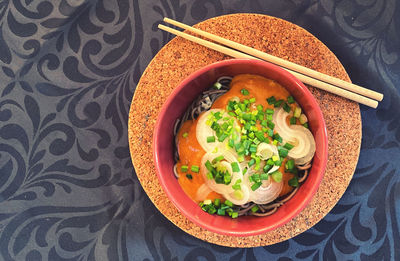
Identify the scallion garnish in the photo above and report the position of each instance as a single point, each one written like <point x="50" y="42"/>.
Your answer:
<point x="217" y="159"/>
<point x="244" y="92"/>
<point x="235" y="167"/>
<point x="288" y="146"/>
<point x="255" y="186"/>
<point x="276" y="176"/>
<point x="278" y="103"/>
<point x="189" y="176"/>
<point x="271" y="100"/>
<point x="185" y="134"/>
<point x="286" y="107"/>
<point x="210" y="139"/>
<point x="255" y="209"/>
<point x="294" y="182"/>
<point x="290" y="99"/>
<point x="184" y="168"/>
<point x="217" y="85"/>
<point x="228" y="203"/>
<point x="195" y="168"/>
<point x="292" y="120"/>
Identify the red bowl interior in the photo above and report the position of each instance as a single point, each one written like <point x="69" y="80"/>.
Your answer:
<point x="163" y="149"/>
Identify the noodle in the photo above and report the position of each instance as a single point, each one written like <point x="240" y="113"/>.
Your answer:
<point x="203" y="103"/>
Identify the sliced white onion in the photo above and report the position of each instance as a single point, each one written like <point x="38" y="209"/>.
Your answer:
<point x="244" y="192"/>
<point x="226" y="190"/>
<point x="297" y="135"/>
<point x="266" y="151"/>
<point x="202" y="192"/>
<point x="203" y="130"/>
<point x="267" y="192"/>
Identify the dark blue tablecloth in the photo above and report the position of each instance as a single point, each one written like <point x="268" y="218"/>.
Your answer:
<point x="68" y="190"/>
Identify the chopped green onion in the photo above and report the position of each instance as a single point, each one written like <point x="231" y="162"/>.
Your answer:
<point x="271" y="100"/>
<point x="282" y="152"/>
<point x="184" y="168"/>
<point x="231" y="143"/>
<point x="288" y="146"/>
<point x="209" y="166"/>
<point x="234" y="215"/>
<point x="252" y="100"/>
<point x="244" y="92"/>
<point x="267" y="167"/>
<point x="277" y="137"/>
<point x="260" y="136"/>
<point x="271" y="125"/>
<point x="236" y="187"/>
<point x="221" y="212"/>
<point x="195" y="168"/>
<point x="277" y="176"/>
<point x="244" y="171"/>
<point x="255" y="186"/>
<point x="235" y="167"/>
<point x="217" y="202"/>
<point x="290" y="99"/>
<point x="259" y="107"/>
<point x="210" y="175"/>
<point x="303" y="118"/>
<point x="189" y="176"/>
<point x="207" y="202"/>
<point x="269" y="111"/>
<point x="297" y="112"/>
<point x="252" y="162"/>
<point x="264" y="176"/>
<point x="253" y="148"/>
<point x="222" y="137"/>
<point x="270" y="162"/>
<point x="278" y="103"/>
<point x="269" y="117"/>
<point x="217" y="85"/>
<point x="255" y="209"/>
<point x="278" y="163"/>
<point x="228" y="203"/>
<point x="305" y="125"/>
<point x="218" y="115"/>
<point x="264" y="123"/>
<point x="185" y="134"/>
<point x="210" y="139"/>
<point x="294" y="182"/>
<point x="217" y="159"/>
<point x="246" y="116"/>
<point x="292" y="120"/>
<point x="211" y="209"/>
<point x="270" y="133"/>
<point x="286" y="107"/>
<point x="289" y="164"/>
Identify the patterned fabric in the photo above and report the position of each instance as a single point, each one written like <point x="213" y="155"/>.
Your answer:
<point x="69" y="69"/>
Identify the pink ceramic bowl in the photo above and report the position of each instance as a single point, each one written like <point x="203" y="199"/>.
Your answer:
<point x="163" y="149"/>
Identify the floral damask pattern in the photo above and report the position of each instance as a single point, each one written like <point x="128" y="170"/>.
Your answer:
<point x="68" y="73"/>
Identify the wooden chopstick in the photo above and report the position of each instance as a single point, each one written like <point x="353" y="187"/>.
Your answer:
<point x="305" y="79"/>
<point x="281" y="62"/>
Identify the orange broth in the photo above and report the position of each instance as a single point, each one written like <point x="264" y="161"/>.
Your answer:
<point x="190" y="151"/>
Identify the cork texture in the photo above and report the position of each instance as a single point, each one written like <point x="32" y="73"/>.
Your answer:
<point x="179" y="58"/>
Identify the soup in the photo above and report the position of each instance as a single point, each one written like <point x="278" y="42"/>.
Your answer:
<point x="243" y="147"/>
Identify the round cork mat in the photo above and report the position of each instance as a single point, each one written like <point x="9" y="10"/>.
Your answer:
<point x="179" y="58"/>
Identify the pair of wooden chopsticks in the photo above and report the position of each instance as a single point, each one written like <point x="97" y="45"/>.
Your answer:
<point x="308" y="76"/>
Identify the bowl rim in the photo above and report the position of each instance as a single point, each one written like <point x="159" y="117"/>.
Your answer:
<point x="324" y="147"/>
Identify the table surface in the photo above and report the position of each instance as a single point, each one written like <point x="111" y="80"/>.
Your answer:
<point x="68" y="190"/>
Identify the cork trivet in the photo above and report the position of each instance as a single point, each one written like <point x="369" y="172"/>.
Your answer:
<point x="177" y="59"/>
